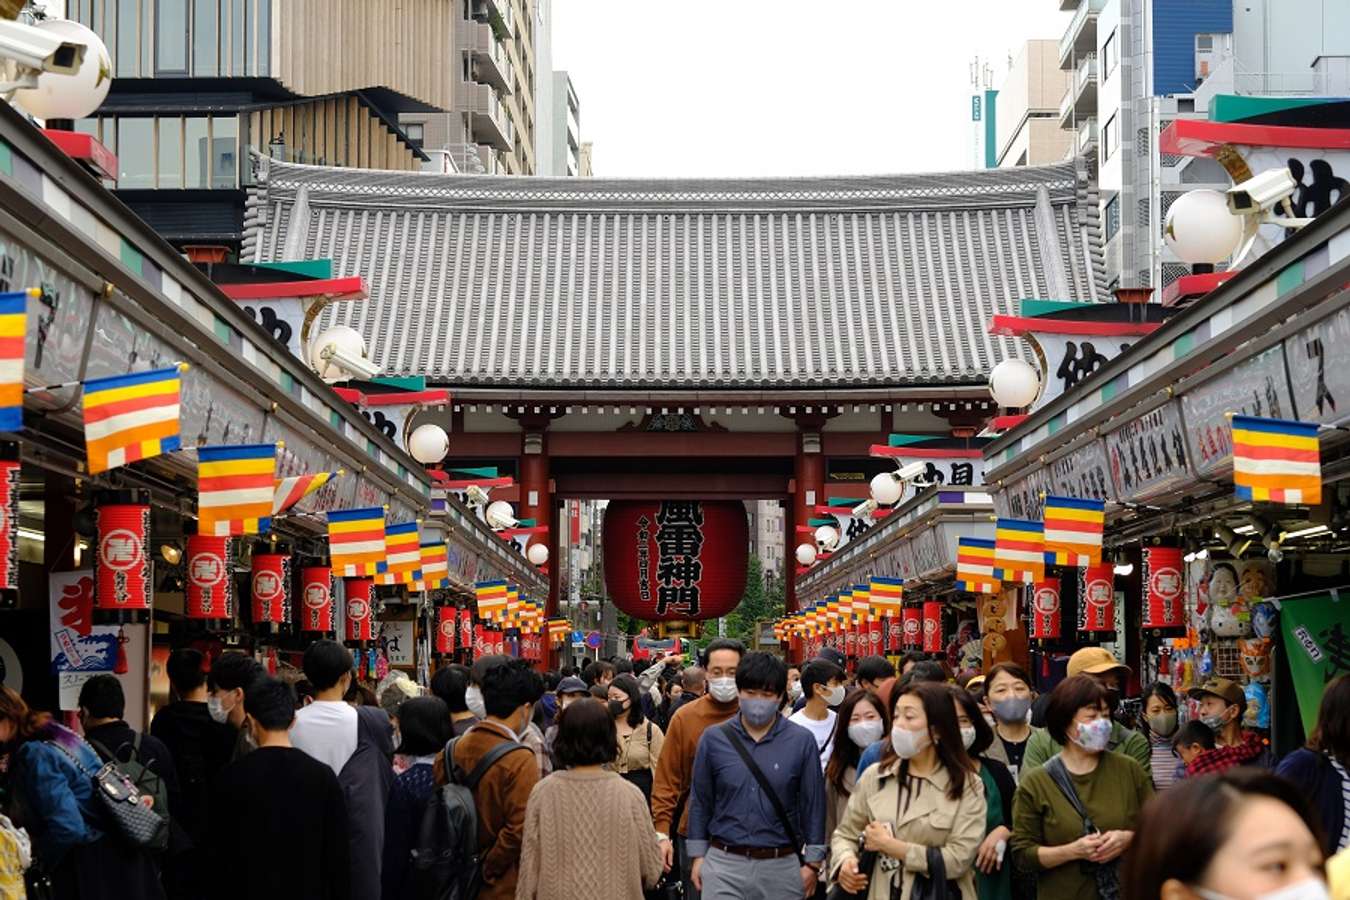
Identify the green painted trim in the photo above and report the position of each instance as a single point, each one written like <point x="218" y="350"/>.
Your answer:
<point x="1055" y="423"/>
<point x="307" y="268"/>
<point x="132" y="258"/>
<point x="6" y="159"/>
<point x="335" y="419"/>
<point x="1183" y="345"/>
<point x="1290" y="278"/>
<point x="844" y="501"/>
<point x="1108" y="392"/>
<point x="908" y="440"/>
<point x="1233" y="108"/>
<point x="526" y="523"/>
<point x="1029" y="307"/>
<point x="480" y="472"/>
<point x="409" y="383"/>
<point x="221" y="329"/>
<point x="816" y="523"/>
<point x="287" y="381"/>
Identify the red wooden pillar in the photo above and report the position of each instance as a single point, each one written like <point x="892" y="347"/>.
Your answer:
<point x="808" y="490"/>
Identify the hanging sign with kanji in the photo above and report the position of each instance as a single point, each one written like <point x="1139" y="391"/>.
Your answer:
<point x="1097" y="599"/>
<point x="316" y="599"/>
<point x="123" y="583"/>
<point x="1164" y="590"/>
<point x="210" y="589"/>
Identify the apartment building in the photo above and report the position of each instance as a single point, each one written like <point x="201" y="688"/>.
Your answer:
<point x="1027" y="130"/>
<point x="565" y="147"/>
<point x="766" y="534"/>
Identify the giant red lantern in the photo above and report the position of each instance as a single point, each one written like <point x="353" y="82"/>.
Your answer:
<point x="1164" y="590"/>
<point x="210" y="589"/>
<point x="123" y="583"/>
<point x="271" y="588"/>
<point x="360" y="594"/>
<point x="675" y="559"/>
<point x="316" y="599"/>
<point x="1045" y="609"/>
<point x="1097" y="599"/>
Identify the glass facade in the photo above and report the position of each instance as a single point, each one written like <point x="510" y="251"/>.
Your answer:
<point x="176" y="38"/>
<point x="193" y="152"/>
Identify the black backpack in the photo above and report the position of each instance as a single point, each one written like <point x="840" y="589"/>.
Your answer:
<point x="146" y="780"/>
<point x="445" y="858"/>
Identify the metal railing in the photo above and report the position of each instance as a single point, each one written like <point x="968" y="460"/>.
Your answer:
<point x="1086" y="9"/>
<point x="1087" y="133"/>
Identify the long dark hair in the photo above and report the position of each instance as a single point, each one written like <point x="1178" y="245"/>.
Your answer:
<point x="940" y="712"/>
<point x="846" y="754"/>
<point x="984" y="735"/>
<point x="1332" y="734"/>
<point x="1163" y="691"/>
<point x="1167" y="845"/>
<point x="629" y="685"/>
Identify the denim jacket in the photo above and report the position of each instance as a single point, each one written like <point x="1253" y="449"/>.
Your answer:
<point x="58" y="796"/>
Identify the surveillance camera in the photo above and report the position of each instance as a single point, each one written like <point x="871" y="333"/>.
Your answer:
<point x="1261" y="193"/>
<point x="865" y="509"/>
<point x="476" y="496"/>
<point x="39" y="50"/>
<point x="340" y="365"/>
<point x="912" y="471"/>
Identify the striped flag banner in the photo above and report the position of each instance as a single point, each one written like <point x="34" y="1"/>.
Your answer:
<point x="511" y="615"/>
<point x="975" y="566"/>
<point x="491" y="598"/>
<point x="356" y="541"/>
<point x="435" y="565"/>
<point x="290" y="491"/>
<point x="234" y="489"/>
<point x="13" y="328"/>
<point x="1073" y="530"/>
<point x="861" y="604"/>
<point x="1019" y="550"/>
<point x="402" y="553"/>
<point x="1276" y="460"/>
<point x="887" y="595"/>
<point x="131" y="417"/>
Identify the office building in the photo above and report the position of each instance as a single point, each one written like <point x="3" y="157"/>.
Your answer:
<point x="1027" y="131"/>
<point x="766" y="534"/>
<point x="565" y="130"/>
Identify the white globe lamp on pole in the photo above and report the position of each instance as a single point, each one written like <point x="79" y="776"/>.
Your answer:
<point x="500" y="515"/>
<point x="827" y="537"/>
<point x="58" y="95"/>
<point x="332" y="349"/>
<point x="428" y="444"/>
<point x="537" y="554"/>
<point x="887" y="489"/>
<point x="806" y="554"/>
<point x="1200" y="230"/>
<point x="1014" y="384"/>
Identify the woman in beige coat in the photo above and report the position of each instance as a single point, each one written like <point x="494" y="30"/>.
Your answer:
<point x="925" y="793"/>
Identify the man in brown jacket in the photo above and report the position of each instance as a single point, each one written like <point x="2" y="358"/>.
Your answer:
<point x="510" y="690"/>
<point x="674" y="771"/>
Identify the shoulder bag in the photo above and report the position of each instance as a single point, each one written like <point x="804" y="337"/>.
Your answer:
<point x="935" y="885"/>
<point x="767" y="788"/>
<point x="643" y="778"/>
<point x="122" y="801"/>
<point x="1106" y="874"/>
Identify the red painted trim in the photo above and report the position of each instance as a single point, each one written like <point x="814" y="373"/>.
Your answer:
<point x="350" y="288"/>
<point x="351" y="395"/>
<point x="881" y="451"/>
<point x="648" y="444"/>
<point x="805" y="529"/>
<point x="1188" y="286"/>
<point x="406" y="397"/>
<point x="1019" y="325"/>
<point x="1003" y="423"/>
<point x="86" y="148"/>
<point x="521" y="532"/>
<point x="463" y="484"/>
<point x="848" y="511"/>
<point x="1198" y="137"/>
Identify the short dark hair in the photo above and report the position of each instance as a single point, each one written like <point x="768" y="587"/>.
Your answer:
<point x="325" y="662"/>
<point x="483" y="663"/>
<point x="586" y="735"/>
<point x="186" y="669"/>
<point x="875" y="668"/>
<point x="449" y="683"/>
<point x="984" y="735"/>
<point x="1332" y="734"/>
<point x="596" y="670"/>
<point x="761" y="672"/>
<point x="423" y="726"/>
<point x="510" y="685"/>
<point x="271" y="703"/>
<point x="1194" y="732"/>
<point x="928" y="670"/>
<point x="817" y="671"/>
<point x="102" y="697"/>
<point x="1068" y="697"/>
<point x="1011" y="669"/>
<point x="1169" y="846"/>
<point x="623" y="667"/>
<point x="911" y="656"/>
<point x="233" y="671"/>
<point x="629" y="685"/>
<point x="723" y="644"/>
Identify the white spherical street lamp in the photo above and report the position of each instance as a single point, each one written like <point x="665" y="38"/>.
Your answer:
<point x="806" y="554"/>
<point x="1014" y="383"/>
<point x="61" y="96"/>
<point x="428" y="444"/>
<point x="827" y="537"/>
<point x="887" y="489"/>
<point x="338" y="341"/>
<point x="537" y="554"/>
<point x="500" y="515"/>
<point x="1200" y="229"/>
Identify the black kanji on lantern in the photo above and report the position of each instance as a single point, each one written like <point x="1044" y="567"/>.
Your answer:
<point x="679" y="540"/>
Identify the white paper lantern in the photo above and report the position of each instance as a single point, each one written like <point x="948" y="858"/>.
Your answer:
<point x="827" y="536"/>
<point x="537" y="554"/>
<point x="347" y="341"/>
<point x="806" y="554"/>
<point x="75" y="96"/>
<point x="500" y="515"/>
<point x="428" y="444"/>
<point x="1014" y="383"/>
<point x="886" y="490"/>
<point x="1200" y="229"/>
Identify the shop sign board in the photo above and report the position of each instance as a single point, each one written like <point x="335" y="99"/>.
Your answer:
<point x="80" y="649"/>
<point x="396" y="635"/>
<point x="1148" y="455"/>
<point x="1255" y="387"/>
<point x="1316" y="631"/>
<point x="1319" y="378"/>
<point x="1082" y="474"/>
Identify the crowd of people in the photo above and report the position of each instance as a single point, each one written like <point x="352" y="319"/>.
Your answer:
<point x="731" y="777"/>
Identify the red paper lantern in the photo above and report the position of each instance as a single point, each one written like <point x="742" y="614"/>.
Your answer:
<point x="1097" y="599"/>
<point x="446" y="617"/>
<point x="210" y="587"/>
<point x="1045" y="606"/>
<point x="360" y="594"/>
<point x="912" y="625"/>
<point x="932" y="627"/>
<point x="482" y="642"/>
<point x="316" y="599"/>
<point x="874" y="632"/>
<point x="270" y="586"/>
<point x="466" y="628"/>
<point x="851" y="643"/>
<point x="9" y="524"/>
<point x="893" y="636"/>
<point x="678" y="559"/>
<point x="498" y="640"/>
<point x="123" y="587"/>
<point x="1164" y="589"/>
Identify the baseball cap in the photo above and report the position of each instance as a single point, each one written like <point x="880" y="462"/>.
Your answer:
<point x="1220" y="687"/>
<point x="831" y="655"/>
<point x="572" y="685"/>
<point x="1093" y="661"/>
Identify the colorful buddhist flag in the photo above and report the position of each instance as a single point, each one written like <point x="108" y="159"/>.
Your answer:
<point x="402" y="554"/>
<point x="1276" y="460"/>
<point x="861" y="604"/>
<point x="290" y="491"/>
<point x="13" y="327"/>
<point x="1019" y="550"/>
<point x="131" y="417"/>
<point x="975" y="566"/>
<point x="435" y="565"/>
<point x="356" y="541"/>
<point x="1073" y="530"/>
<point x="491" y="598"/>
<point x="234" y="489"/>
<point x="886" y="596"/>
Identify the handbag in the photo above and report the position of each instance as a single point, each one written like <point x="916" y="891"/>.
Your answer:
<point x="122" y="801"/>
<point x="934" y="885"/>
<point x="642" y="778"/>
<point x="867" y="862"/>
<point x="670" y="887"/>
<point x="767" y="788"/>
<point x="1106" y="875"/>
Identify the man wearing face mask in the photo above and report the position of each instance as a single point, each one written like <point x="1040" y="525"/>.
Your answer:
<point x="570" y="690"/>
<point x="674" y="771"/>
<point x="823" y="688"/>
<point x="742" y="847"/>
<point x="1222" y="706"/>
<point x="451" y="684"/>
<point x="229" y="678"/>
<point x="1098" y="664"/>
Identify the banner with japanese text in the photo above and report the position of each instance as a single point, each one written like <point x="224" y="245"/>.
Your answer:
<point x="1316" y="632"/>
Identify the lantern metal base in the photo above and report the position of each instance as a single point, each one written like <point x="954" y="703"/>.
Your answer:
<point x="121" y="616"/>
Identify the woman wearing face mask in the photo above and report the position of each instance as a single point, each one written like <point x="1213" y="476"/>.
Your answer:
<point x="924" y="795"/>
<point x="1075" y="856"/>
<point x="1321" y="770"/>
<point x="640" y="740"/>
<point x="1007" y="691"/>
<point x="1242" y="835"/>
<point x="1160" y="727"/>
<point x="993" y="867"/>
<point x="863" y="721"/>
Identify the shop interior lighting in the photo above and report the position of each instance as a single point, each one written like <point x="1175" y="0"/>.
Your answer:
<point x="32" y="535"/>
<point x="1245" y="529"/>
<point x="1235" y="545"/>
<point x="1306" y="532"/>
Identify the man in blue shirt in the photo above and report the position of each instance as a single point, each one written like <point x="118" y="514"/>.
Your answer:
<point x="742" y="849"/>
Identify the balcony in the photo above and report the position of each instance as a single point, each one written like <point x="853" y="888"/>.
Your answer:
<point x="1081" y="36"/>
<point x="1086" y="142"/>
<point x="1080" y="99"/>
<point x="490" y="125"/>
<point x="495" y="13"/>
<point x="490" y="65"/>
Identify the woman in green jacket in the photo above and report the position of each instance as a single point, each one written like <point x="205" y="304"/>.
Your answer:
<point x="993" y="864"/>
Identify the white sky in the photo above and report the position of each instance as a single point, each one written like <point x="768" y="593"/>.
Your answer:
<point x="785" y="87"/>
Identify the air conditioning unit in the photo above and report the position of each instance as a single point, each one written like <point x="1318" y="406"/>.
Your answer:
<point x="479" y="11"/>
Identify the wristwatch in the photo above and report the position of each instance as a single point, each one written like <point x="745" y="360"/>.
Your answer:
<point x="662" y="837"/>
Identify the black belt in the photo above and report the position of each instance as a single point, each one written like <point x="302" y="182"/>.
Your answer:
<point x="754" y="852"/>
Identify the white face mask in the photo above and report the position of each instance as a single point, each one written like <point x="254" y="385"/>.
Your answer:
<point x="1308" y="889"/>
<point x="836" y="696"/>
<point x="865" y="733"/>
<point x="216" y="708"/>
<point x="968" y="736"/>
<point x="908" y="744"/>
<point x="473" y="699"/>
<point x="723" y="690"/>
<point x="794" y="690"/>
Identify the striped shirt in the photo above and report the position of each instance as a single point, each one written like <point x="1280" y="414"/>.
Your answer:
<point x="1345" y="801"/>
<point x="1162" y="761"/>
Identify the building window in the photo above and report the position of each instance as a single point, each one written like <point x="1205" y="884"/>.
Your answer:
<point x="224" y="152"/>
<point x="1110" y="55"/>
<point x="1112" y="217"/>
<point x="205" y="38"/>
<point x="1204" y="42"/>
<point x="196" y="152"/>
<point x="171" y="34"/>
<point x="1110" y="137"/>
<point x="416" y="133"/>
<point x="170" y="153"/>
<point x="136" y="159"/>
<point x="128" y="28"/>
